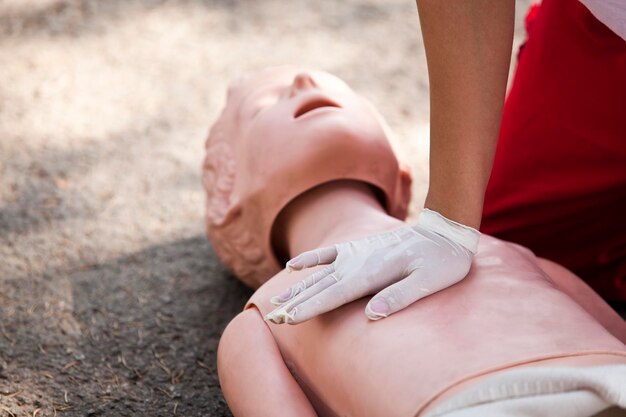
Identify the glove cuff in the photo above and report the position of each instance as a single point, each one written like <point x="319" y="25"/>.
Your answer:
<point x="463" y="235"/>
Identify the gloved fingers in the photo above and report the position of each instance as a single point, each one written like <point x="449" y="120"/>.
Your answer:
<point x="297" y="288"/>
<point x="330" y="298"/>
<point x="321" y="256"/>
<point x="399" y="296"/>
<point x="284" y="313"/>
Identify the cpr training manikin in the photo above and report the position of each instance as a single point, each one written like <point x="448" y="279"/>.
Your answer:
<point x="298" y="161"/>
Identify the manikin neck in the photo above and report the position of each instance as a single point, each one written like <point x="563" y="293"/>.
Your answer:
<point x="328" y="214"/>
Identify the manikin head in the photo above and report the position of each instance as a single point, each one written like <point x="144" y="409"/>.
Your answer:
<point x="283" y="132"/>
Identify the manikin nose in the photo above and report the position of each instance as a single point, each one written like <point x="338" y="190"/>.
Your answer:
<point x="301" y="82"/>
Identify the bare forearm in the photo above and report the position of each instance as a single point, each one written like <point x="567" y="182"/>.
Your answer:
<point x="468" y="47"/>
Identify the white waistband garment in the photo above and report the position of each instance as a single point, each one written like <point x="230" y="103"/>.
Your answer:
<point x="541" y="392"/>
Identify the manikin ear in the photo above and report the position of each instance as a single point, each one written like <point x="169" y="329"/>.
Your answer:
<point x="403" y="192"/>
<point x="233" y="212"/>
<point x="218" y="177"/>
<point x="224" y="212"/>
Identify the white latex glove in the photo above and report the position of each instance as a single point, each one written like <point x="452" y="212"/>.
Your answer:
<point x="406" y="264"/>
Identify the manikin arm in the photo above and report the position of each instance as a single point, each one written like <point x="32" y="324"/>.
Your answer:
<point x="252" y="374"/>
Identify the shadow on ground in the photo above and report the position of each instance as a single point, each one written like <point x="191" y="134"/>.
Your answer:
<point x="134" y="336"/>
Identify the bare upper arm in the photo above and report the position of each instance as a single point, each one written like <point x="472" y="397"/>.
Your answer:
<point x="253" y="376"/>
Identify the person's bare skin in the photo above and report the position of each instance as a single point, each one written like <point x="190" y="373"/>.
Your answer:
<point x="468" y="49"/>
<point x="257" y="361"/>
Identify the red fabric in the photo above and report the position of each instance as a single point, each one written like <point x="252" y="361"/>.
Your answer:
<point x="531" y="16"/>
<point x="558" y="184"/>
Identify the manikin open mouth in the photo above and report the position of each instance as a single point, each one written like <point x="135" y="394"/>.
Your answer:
<point x="314" y="105"/>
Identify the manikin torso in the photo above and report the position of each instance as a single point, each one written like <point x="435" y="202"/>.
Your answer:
<point x="507" y="313"/>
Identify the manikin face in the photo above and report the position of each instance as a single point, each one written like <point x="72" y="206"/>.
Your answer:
<point x="285" y="117"/>
<point x="284" y="131"/>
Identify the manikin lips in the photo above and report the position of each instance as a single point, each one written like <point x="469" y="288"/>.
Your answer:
<point x="313" y="105"/>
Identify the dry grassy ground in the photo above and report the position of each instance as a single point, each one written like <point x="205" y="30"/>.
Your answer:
<point x="111" y="300"/>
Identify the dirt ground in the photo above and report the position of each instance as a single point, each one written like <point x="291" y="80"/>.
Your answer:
<point x="111" y="299"/>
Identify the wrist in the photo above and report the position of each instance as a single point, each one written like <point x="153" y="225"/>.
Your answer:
<point x="461" y="234"/>
<point x="457" y="189"/>
<point x="468" y="214"/>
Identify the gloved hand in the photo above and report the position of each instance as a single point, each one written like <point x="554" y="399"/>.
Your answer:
<point x="406" y="264"/>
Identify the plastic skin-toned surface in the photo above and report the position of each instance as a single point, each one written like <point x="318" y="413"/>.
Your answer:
<point x="507" y="312"/>
<point x="289" y="130"/>
<point x="512" y="310"/>
<point x="410" y="263"/>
